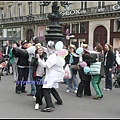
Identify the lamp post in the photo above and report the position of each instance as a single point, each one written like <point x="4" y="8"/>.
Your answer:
<point x="54" y="31"/>
<point x="30" y="19"/>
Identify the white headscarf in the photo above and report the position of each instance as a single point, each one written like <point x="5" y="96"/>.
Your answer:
<point x="50" y="47"/>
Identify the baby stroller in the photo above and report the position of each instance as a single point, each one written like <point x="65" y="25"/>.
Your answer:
<point x="116" y="83"/>
<point x="5" y="69"/>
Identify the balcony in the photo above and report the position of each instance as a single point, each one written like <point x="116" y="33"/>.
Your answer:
<point x="108" y="9"/>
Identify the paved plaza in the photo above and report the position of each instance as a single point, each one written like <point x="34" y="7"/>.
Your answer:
<point x="14" y="105"/>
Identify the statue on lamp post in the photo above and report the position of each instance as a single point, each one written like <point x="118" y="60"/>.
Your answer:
<point x="54" y="31"/>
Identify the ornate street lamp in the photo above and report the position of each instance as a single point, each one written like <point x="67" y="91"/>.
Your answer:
<point x="30" y="20"/>
<point x="54" y="31"/>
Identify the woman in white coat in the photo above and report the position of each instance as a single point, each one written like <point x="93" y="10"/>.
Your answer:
<point x="54" y="74"/>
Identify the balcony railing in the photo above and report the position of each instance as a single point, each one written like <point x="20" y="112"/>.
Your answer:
<point x="114" y="8"/>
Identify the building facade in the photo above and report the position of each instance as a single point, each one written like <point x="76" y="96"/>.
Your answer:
<point x="90" y="22"/>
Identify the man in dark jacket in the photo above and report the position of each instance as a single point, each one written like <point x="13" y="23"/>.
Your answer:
<point x="5" y="52"/>
<point x="23" y="67"/>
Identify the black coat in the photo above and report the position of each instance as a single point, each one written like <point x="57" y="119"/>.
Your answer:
<point x="89" y="58"/>
<point x="22" y="56"/>
<point x="75" y="61"/>
<point x="109" y="59"/>
<point x="4" y="50"/>
<point x="83" y="76"/>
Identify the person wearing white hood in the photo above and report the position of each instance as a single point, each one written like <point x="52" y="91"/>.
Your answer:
<point x="54" y="74"/>
<point x="31" y="52"/>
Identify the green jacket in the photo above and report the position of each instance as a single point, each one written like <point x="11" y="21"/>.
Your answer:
<point x="11" y="56"/>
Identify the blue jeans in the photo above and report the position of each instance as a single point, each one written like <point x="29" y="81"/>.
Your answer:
<point x="33" y="87"/>
<point x="75" y="82"/>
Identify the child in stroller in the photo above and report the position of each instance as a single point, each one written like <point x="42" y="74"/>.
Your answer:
<point x="116" y="83"/>
<point x="2" y="64"/>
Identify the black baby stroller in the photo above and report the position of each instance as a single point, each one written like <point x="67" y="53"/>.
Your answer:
<point x="116" y="83"/>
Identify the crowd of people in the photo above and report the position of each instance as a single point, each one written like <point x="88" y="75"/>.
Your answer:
<point x="42" y="67"/>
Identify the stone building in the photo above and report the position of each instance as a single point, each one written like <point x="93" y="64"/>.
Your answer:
<point x="90" y="22"/>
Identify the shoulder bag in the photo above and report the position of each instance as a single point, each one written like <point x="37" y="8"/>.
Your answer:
<point x="95" y="67"/>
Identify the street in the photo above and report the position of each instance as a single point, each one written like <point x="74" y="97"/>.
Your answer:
<point x="14" y="105"/>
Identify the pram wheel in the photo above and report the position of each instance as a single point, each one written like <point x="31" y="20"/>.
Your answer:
<point x="116" y="84"/>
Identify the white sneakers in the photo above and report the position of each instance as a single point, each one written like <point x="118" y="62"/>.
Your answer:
<point x="104" y="88"/>
<point x="34" y="97"/>
<point x="37" y="106"/>
<point x="75" y="91"/>
<point x="67" y="91"/>
<point x="107" y="89"/>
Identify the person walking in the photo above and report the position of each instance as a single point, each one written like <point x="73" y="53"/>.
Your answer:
<point x="108" y="64"/>
<point x="23" y="66"/>
<point x="96" y="79"/>
<point x="39" y="74"/>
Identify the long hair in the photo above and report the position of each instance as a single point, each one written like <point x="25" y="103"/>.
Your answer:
<point x="41" y="56"/>
<point x="99" y="48"/>
<point x="110" y="46"/>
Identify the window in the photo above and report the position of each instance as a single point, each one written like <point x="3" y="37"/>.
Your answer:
<point x="9" y="32"/>
<point x="101" y="4"/>
<point x="83" y="5"/>
<point x="75" y="28"/>
<point x="30" y="8"/>
<point x="19" y="10"/>
<point x="13" y="32"/>
<point x="18" y="32"/>
<point x="1" y="13"/>
<point x="41" y="8"/>
<point x="1" y="33"/>
<point x="10" y="11"/>
<point x="82" y="27"/>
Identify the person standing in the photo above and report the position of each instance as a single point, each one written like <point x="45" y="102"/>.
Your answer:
<point x="13" y="62"/>
<point x="108" y="64"/>
<point x="31" y="52"/>
<point x="5" y="52"/>
<point x="23" y="66"/>
<point x="72" y="59"/>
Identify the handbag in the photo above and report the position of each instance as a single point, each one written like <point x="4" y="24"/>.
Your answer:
<point x="95" y="67"/>
<point x="75" y="67"/>
<point x="67" y="74"/>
